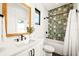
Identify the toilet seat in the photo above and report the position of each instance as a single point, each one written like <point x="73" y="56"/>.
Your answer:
<point x="49" y="48"/>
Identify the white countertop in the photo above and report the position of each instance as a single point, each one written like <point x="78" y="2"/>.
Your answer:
<point x="11" y="48"/>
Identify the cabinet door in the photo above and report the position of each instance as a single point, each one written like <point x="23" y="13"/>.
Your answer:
<point x="35" y="51"/>
<point x="24" y="53"/>
<point x="38" y="49"/>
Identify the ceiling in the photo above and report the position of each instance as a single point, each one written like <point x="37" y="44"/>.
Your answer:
<point x="49" y="6"/>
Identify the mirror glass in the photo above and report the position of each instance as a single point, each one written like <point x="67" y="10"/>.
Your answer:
<point x="18" y="18"/>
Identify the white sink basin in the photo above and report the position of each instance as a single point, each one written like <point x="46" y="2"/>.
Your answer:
<point x="24" y="43"/>
<point x="9" y="44"/>
<point x="30" y="41"/>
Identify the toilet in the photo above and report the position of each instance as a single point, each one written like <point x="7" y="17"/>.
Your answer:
<point x="48" y="50"/>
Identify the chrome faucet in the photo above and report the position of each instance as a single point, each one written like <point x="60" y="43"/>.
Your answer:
<point x="21" y="38"/>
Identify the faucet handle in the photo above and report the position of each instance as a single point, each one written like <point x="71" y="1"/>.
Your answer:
<point x="17" y="40"/>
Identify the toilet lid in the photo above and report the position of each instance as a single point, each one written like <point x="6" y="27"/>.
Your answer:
<point x="49" y="48"/>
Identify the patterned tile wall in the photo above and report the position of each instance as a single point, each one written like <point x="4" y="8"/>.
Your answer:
<point x="58" y="21"/>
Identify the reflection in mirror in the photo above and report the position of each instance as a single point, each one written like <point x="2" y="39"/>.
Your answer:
<point x="21" y="27"/>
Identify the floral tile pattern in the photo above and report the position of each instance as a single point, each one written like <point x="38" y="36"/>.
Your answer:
<point x="58" y="21"/>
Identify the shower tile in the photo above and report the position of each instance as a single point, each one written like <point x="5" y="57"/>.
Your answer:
<point x="57" y="23"/>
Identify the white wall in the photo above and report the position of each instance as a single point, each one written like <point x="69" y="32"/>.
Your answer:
<point x="39" y="31"/>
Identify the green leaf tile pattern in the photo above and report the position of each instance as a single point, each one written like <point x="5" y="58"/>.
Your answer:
<point x="58" y="21"/>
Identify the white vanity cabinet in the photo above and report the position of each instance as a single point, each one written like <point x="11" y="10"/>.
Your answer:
<point x="32" y="50"/>
<point x="38" y="49"/>
<point x="27" y="52"/>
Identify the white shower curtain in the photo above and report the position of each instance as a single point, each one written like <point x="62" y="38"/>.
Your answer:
<point x="71" y="35"/>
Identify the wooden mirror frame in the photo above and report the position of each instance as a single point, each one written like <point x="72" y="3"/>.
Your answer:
<point x="4" y="12"/>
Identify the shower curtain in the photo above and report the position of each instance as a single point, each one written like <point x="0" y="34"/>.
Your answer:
<point x="71" y="35"/>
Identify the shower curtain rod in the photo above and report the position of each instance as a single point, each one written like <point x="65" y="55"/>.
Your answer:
<point x="55" y="15"/>
<point x="60" y="14"/>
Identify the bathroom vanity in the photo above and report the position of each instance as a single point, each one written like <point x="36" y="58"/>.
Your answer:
<point x="32" y="48"/>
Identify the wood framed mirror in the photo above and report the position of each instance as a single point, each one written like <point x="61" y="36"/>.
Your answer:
<point x="17" y="18"/>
